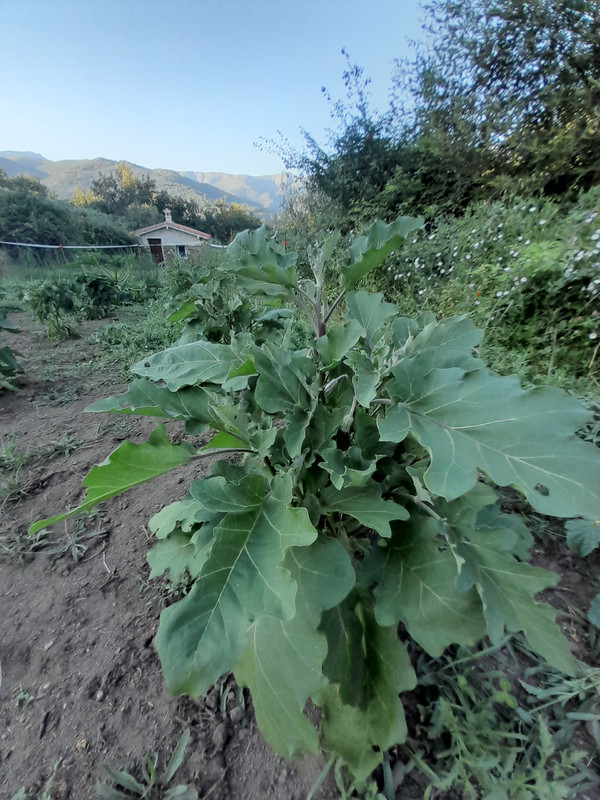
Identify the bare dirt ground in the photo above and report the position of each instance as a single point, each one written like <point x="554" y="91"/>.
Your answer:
<point x="81" y="684"/>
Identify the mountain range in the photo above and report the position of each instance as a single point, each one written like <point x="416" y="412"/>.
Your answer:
<point x="261" y="194"/>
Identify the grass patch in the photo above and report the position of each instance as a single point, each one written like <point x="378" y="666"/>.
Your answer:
<point x="140" y="333"/>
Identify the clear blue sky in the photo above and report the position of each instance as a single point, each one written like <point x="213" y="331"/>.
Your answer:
<point x="186" y="84"/>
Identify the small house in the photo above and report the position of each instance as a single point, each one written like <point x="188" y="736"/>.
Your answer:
<point x="170" y="237"/>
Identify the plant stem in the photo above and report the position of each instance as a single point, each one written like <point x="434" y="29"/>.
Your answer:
<point x="308" y="311"/>
<point x="223" y="451"/>
<point x="420" y="504"/>
<point x="336" y="303"/>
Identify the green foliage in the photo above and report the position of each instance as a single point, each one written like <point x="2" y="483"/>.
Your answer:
<point x="492" y="736"/>
<point x="51" y="300"/>
<point x="73" y="541"/>
<point x="136" y="203"/>
<point x="47" y="792"/>
<point x="362" y="496"/>
<point x="514" y="88"/>
<point x="347" y="180"/>
<point x="213" y="305"/>
<point x="153" y="785"/>
<point x="141" y="332"/>
<point x="104" y="283"/>
<point x="9" y="366"/>
<point x="116" y="192"/>
<point x="528" y="272"/>
<point x="224" y="220"/>
<point x="499" y="98"/>
<point x="28" y="215"/>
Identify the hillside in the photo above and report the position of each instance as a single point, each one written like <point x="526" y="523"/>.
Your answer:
<point x="260" y="194"/>
<point x="261" y="189"/>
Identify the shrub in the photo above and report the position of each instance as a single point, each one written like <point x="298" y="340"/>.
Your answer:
<point x="528" y="273"/>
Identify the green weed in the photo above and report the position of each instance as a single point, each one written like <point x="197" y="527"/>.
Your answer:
<point x="481" y="735"/>
<point x="23" y="697"/>
<point x="119" y="344"/>
<point x="13" y="483"/>
<point x="153" y="785"/>
<point x="47" y="792"/>
<point x="76" y="540"/>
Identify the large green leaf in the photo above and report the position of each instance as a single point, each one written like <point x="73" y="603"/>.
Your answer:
<point x="237" y="423"/>
<point x="295" y="432"/>
<point x="192" y="403"/>
<point x="184" y="311"/>
<point x="189" y="364"/>
<point x="477" y="420"/>
<point x="174" y="555"/>
<point x="323" y="255"/>
<point x="127" y="466"/>
<point x="182" y="514"/>
<point x="365" y="504"/>
<point x="282" y="664"/>
<point x="361" y="709"/>
<point x="368" y="251"/>
<point x="283" y="383"/>
<point x="505" y="585"/>
<point x="345" y="662"/>
<point x="583" y="535"/>
<point x="372" y="313"/>
<point x="437" y="345"/>
<point x="366" y="378"/>
<point x="416" y="585"/>
<point x="261" y="262"/>
<point x="346" y="468"/>
<point x="206" y="633"/>
<point x="337" y="341"/>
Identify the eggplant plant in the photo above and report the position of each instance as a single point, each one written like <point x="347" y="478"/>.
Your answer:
<point x="9" y="366"/>
<point x="365" y="492"/>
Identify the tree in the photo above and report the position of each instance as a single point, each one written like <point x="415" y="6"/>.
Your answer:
<point x="28" y="215"/>
<point x="224" y="220"/>
<point x="23" y="183"/>
<point x="503" y="96"/>
<point x="364" y="151"/>
<point x="508" y="94"/>
<point x="115" y="192"/>
<point x="186" y="211"/>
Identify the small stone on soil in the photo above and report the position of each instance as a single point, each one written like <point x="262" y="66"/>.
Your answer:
<point x="220" y="736"/>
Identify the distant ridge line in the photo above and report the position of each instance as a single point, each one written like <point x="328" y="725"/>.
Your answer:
<point x="260" y="194"/>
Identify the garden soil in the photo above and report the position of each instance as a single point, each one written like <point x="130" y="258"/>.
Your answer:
<point x="81" y="685"/>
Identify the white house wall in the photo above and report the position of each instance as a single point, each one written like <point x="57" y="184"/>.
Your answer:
<point x="171" y="237"/>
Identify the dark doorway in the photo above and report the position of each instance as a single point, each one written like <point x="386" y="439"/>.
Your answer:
<point x="156" y="250"/>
